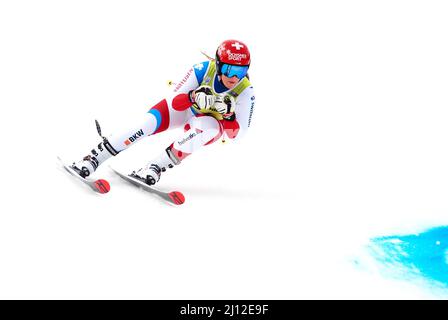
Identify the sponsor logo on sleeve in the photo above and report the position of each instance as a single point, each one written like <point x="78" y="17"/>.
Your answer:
<point x="251" y="112"/>
<point x="184" y="80"/>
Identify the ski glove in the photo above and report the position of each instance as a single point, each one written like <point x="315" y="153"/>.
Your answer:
<point x="225" y="105"/>
<point x="203" y="98"/>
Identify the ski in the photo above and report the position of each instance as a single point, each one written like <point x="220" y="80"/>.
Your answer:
<point x="99" y="185"/>
<point x="174" y="197"/>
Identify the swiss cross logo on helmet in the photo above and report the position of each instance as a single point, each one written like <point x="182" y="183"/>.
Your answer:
<point x="237" y="45"/>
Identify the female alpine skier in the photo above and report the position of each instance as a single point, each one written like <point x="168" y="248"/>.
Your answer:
<point x="213" y="99"/>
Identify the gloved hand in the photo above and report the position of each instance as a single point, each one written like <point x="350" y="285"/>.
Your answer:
<point x="225" y="105"/>
<point x="202" y="98"/>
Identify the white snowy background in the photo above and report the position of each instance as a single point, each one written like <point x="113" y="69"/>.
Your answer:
<point x="348" y="142"/>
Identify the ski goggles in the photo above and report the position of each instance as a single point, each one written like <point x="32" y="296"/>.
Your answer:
<point x="231" y="71"/>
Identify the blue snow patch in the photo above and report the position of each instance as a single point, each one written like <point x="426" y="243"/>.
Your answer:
<point x="417" y="256"/>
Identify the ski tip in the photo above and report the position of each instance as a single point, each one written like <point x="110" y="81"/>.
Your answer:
<point x="177" y="197"/>
<point x="102" y="186"/>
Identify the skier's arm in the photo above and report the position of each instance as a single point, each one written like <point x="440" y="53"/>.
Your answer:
<point x="183" y="90"/>
<point x="187" y="83"/>
<point x="191" y="79"/>
<point x="237" y="128"/>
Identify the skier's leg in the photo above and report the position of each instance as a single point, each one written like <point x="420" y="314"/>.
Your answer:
<point x="169" y="113"/>
<point x="163" y="116"/>
<point x="199" y="131"/>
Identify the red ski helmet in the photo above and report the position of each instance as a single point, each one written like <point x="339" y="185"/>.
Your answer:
<point x="234" y="53"/>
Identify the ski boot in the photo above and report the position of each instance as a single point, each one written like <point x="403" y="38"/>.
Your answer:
<point x="97" y="156"/>
<point x="150" y="174"/>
